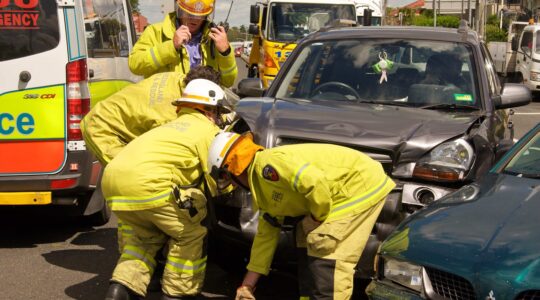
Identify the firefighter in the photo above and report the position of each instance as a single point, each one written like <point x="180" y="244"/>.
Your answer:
<point x="186" y="38"/>
<point x="117" y="120"/>
<point x="156" y="186"/>
<point x="337" y="192"/>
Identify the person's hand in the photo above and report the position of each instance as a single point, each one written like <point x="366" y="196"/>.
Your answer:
<point x="219" y="36"/>
<point x="309" y="224"/>
<point x="244" y="293"/>
<point x="181" y="36"/>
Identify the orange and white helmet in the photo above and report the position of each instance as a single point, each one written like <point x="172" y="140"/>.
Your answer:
<point x="203" y="93"/>
<point x="230" y="153"/>
<point x="199" y="8"/>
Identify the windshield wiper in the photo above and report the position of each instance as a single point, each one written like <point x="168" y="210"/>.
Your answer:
<point x="383" y="102"/>
<point x="450" y="106"/>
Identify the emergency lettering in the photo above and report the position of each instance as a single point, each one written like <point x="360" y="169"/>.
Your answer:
<point x="23" y="123"/>
<point x="19" y="19"/>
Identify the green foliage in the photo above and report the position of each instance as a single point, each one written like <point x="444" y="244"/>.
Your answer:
<point x="425" y="19"/>
<point x="236" y="34"/>
<point x="135" y="6"/>
<point x="493" y="20"/>
<point x="422" y="20"/>
<point x="495" y="34"/>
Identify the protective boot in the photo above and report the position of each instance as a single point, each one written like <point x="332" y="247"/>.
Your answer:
<point x="119" y="292"/>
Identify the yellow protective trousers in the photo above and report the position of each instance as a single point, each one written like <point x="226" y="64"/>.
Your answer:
<point x="333" y="251"/>
<point x="151" y="229"/>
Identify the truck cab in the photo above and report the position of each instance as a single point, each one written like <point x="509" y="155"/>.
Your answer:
<point x="528" y="56"/>
<point x="277" y="25"/>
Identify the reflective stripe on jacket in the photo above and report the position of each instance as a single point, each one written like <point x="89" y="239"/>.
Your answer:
<point x="117" y="120"/>
<point x="327" y="181"/>
<point x="143" y="175"/>
<point x="154" y="52"/>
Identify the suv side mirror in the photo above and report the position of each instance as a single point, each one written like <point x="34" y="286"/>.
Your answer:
<point x="514" y="44"/>
<point x="250" y="87"/>
<point x="366" y="21"/>
<point x="513" y="95"/>
<point x="254" y="14"/>
<point x="253" y="29"/>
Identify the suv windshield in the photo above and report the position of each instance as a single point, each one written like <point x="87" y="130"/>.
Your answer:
<point x="415" y="73"/>
<point x="292" y="21"/>
<point x="28" y="30"/>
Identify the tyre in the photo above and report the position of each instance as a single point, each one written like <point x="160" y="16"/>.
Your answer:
<point x="99" y="218"/>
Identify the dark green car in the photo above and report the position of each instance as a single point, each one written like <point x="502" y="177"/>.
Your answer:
<point x="480" y="242"/>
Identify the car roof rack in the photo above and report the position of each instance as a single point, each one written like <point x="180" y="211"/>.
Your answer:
<point x="463" y="28"/>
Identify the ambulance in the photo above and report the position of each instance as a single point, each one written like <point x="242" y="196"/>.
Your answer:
<point x="57" y="58"/>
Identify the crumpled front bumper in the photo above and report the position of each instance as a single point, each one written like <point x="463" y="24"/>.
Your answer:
<point x="379" y="290"/>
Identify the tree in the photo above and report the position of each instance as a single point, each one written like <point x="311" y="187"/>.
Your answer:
<point x="135" y="6"/>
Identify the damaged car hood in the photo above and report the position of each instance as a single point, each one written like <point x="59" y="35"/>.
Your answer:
<point x="403" y="132"/>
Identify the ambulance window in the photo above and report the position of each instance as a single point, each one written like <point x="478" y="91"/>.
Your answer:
<point x="105" y="28"/>
<point x="30" y="30"/>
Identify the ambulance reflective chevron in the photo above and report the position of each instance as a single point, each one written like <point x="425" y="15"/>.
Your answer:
<point x="51" y="72"/>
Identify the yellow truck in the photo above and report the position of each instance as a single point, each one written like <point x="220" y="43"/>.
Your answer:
<point x="277" y="26"/>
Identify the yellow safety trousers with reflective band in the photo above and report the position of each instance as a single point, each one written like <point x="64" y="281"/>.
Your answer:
<point x="186" y="266"/>
<point x="133" y="252"/>
<point x="152" y="229"/>
<point x="327" y="181"/>
<point x="154" y="52"/>
<point x="134" y="110"/>
<point x="143" y="175"/>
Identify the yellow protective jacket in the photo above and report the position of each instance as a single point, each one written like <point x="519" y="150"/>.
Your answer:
<point x="120" y="118"/>
<point x="327" y="181"/>
<point x="154" y="52"/>
<point x="143" y="175"/>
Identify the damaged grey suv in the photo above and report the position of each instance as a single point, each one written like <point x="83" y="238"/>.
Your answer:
<point x="425" y="102"/>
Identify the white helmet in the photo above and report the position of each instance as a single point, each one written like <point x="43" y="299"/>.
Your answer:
<point x="203" y="92"/>
<point x="219" y="149"/>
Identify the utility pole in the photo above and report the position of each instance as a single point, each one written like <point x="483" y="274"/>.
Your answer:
<point x="434" y="14"/>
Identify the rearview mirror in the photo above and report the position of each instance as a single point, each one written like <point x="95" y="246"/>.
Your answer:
<point x="253" y="29"/>
<point x="254" y="14"/>
<point x="250" y="87"/>
<point x="513" y="95"/>
<point x="514" y="44"/>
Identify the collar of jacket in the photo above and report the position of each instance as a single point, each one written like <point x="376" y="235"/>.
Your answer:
<point x="169" y="27"/>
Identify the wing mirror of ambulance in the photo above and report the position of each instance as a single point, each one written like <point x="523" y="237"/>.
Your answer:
<point x="250" y="87"/>
<point x="513" y="95"/>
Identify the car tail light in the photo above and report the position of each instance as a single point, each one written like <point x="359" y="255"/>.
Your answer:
<point x="269" y="61"/>
<point x="78" y="97"/>
<point x="63" y="183"/>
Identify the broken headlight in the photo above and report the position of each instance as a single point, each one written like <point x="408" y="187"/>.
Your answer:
<point x="447" y="162"/>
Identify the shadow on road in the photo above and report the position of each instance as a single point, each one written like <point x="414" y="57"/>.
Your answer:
<point x="27" y="228"/>
<point x="94" y="261"/>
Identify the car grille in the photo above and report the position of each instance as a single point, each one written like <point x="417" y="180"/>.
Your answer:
<point x="384" y="158"/>
<point x="529" y="295"/>
<point x="450" y="286"/>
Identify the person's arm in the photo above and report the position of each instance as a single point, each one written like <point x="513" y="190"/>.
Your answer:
<point x="311" y="182"/>
<point x="99" y="134"/>
<point x="264" y="246"/>
<point x="225" y="57"/>
<point x="149" y="55"/>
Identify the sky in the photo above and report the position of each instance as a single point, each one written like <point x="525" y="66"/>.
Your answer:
<point x="153" y="10"/>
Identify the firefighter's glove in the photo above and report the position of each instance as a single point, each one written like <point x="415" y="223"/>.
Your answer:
<point x="244" y="293"/>
<point x="309" y="224"/>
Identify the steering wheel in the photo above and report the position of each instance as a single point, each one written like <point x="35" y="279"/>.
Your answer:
<point x="336" y="86"/>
